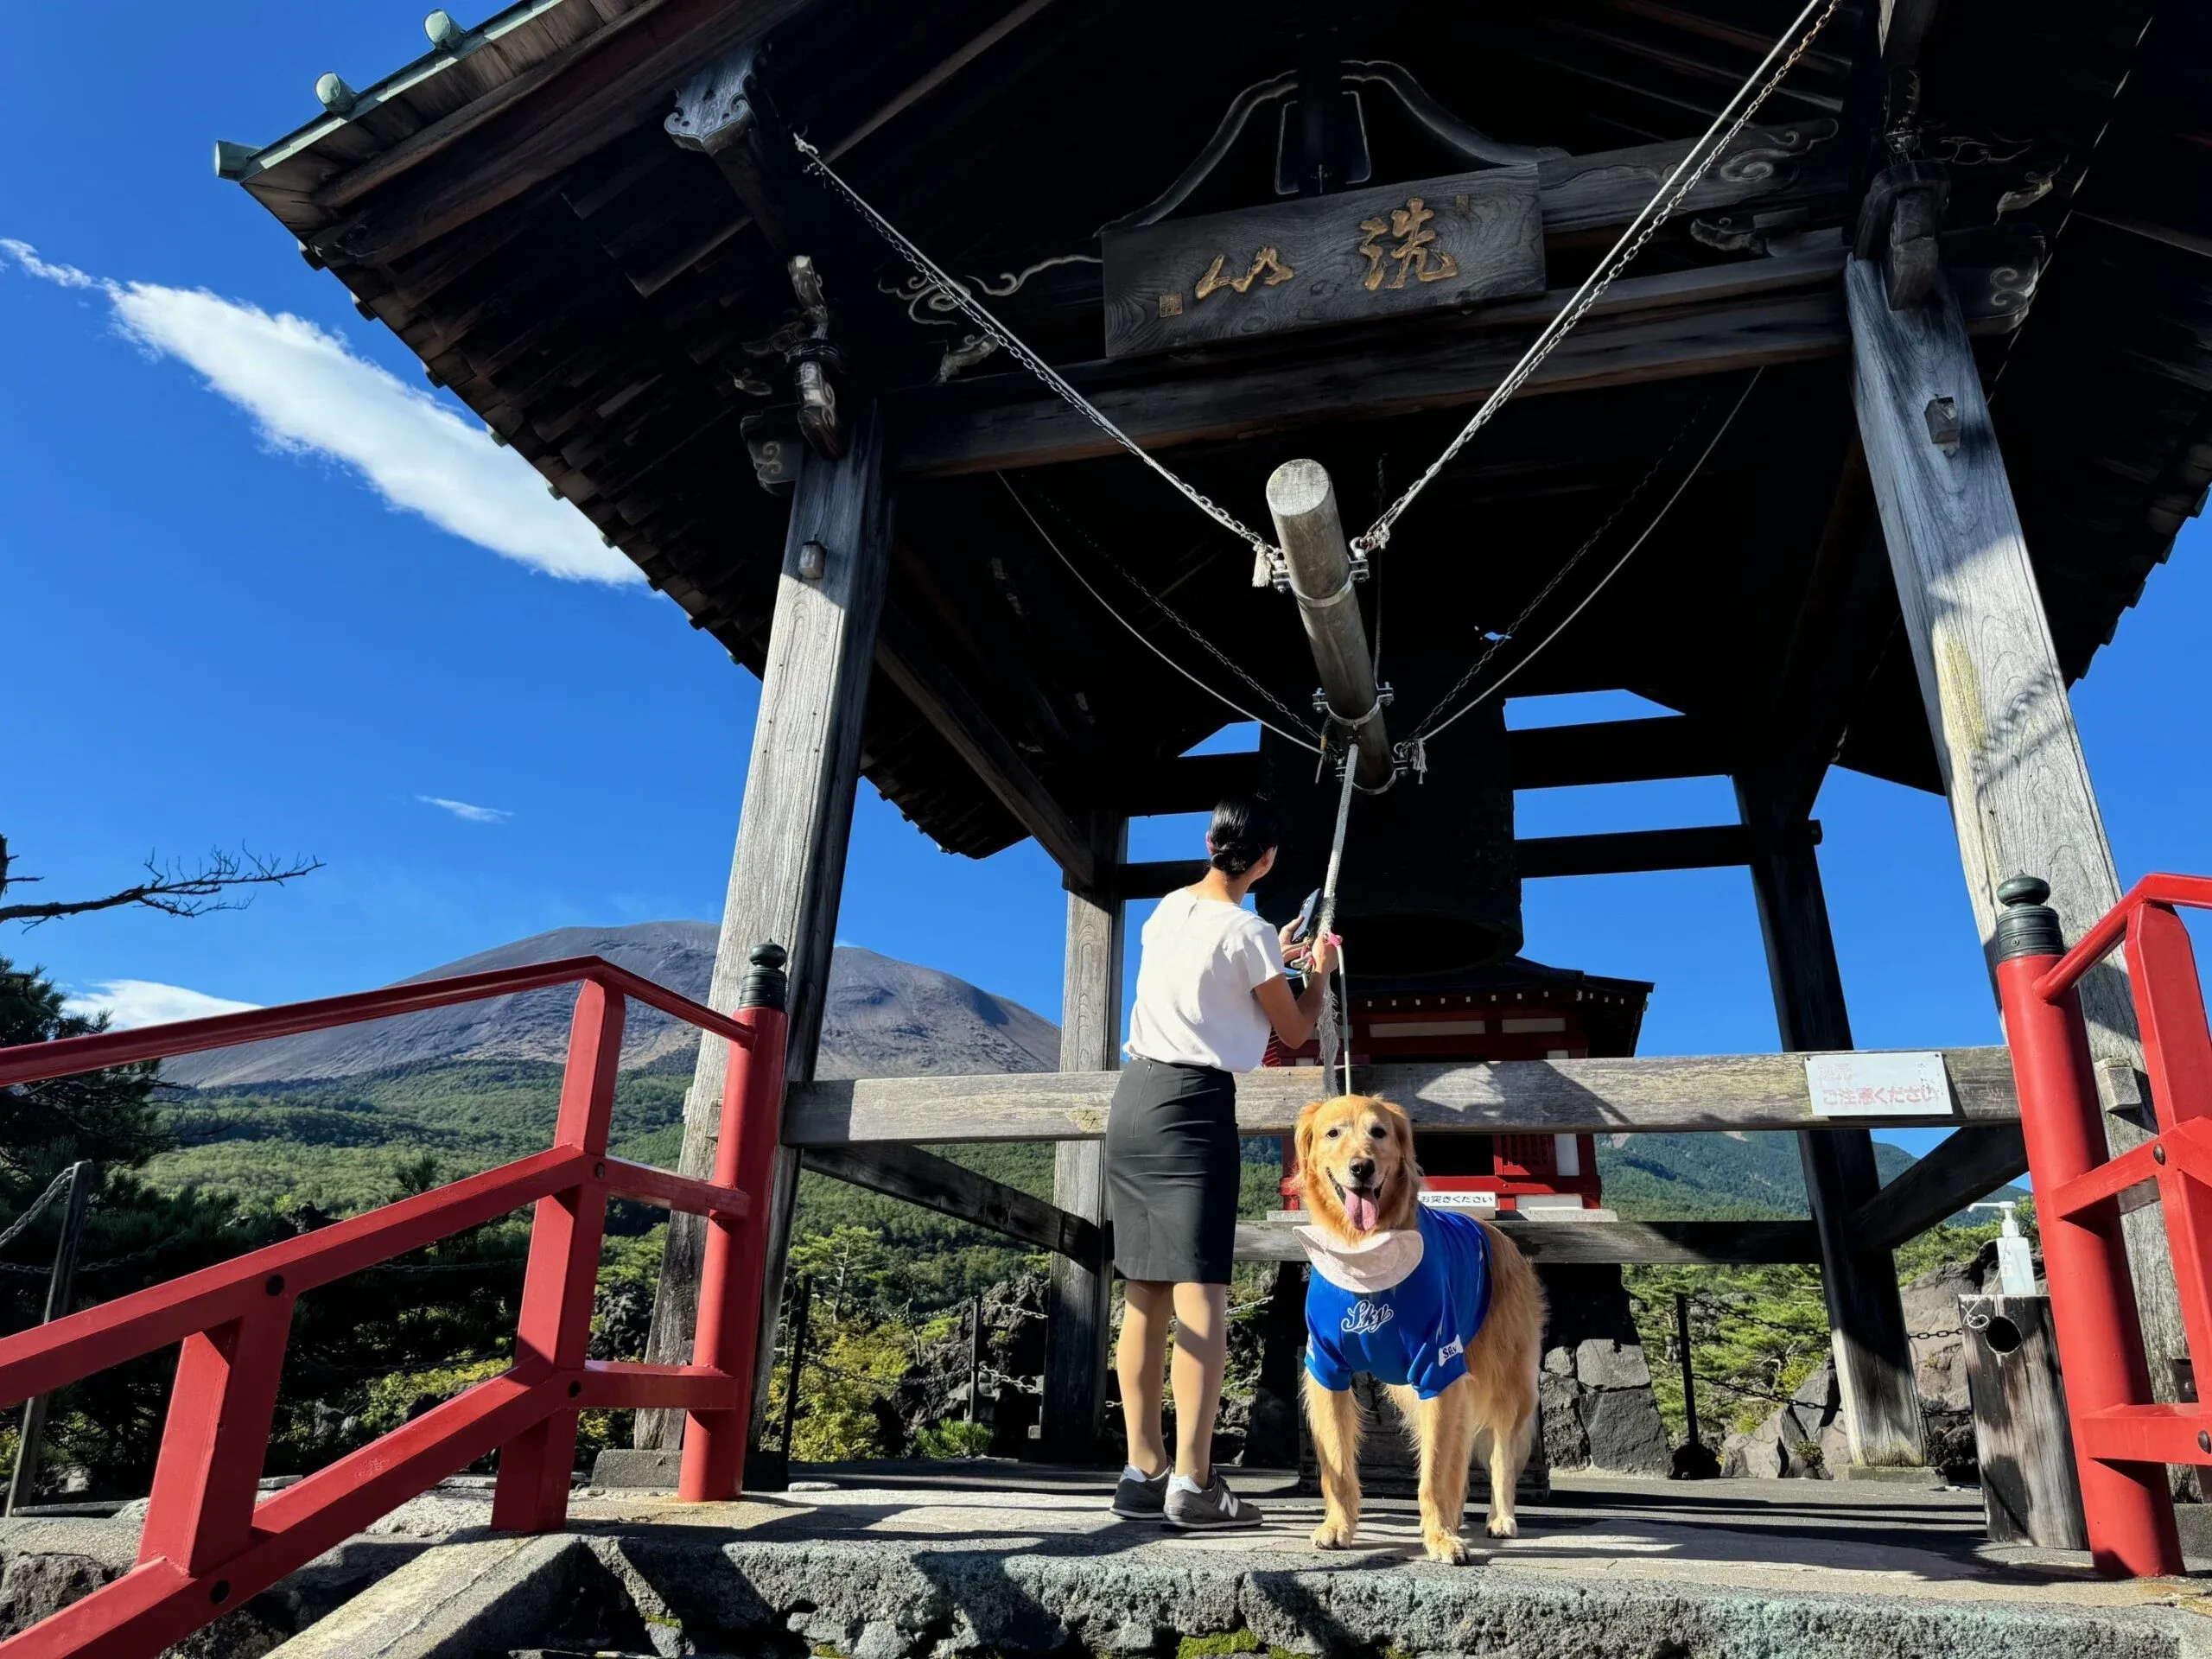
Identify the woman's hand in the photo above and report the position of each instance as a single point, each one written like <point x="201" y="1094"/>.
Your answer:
<point x="1321" y="956"/>
<point x="1294" y="950"/>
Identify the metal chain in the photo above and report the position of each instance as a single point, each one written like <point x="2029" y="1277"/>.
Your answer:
<point x="1311" y="738"/>
<point x="958" y="295"/>
<point x="1687" y="175"/>
<point x="38" y="1208"/>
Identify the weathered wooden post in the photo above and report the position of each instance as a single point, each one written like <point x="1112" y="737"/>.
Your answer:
<point x="1873" y="1357"/>
<point x="1303" y="504"/>
<point x="974" y="1352"/>
<point x="1079" y="1314"/>
<point x="2030" y="1489"/>
<point x="795" y="1367"/>
<point x="789" y="867"/>
<point x="1994" y="693"/>
<point x="60" y="1295"/>
<point x="1689" y="1374"/>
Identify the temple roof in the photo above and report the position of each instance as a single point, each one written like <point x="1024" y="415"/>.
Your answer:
<point x="512" y="206"/>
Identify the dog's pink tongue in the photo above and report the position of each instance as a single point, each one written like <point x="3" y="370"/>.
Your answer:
<point x="1360" y="1210"/>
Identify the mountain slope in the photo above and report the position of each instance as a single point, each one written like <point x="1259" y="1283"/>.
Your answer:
<point x="884" y="1018"/>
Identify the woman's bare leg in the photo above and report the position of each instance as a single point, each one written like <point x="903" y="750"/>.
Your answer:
<point x="1201" y="1356"/>
<point x="1139" y="1359"/>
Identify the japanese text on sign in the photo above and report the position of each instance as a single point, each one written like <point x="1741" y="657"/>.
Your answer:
<point x="1879" y="1085"/>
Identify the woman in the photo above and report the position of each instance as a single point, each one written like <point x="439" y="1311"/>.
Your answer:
<point x="1210" y="988"/>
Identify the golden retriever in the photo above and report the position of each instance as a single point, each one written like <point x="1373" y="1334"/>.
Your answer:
<point x="1357" y="1178"/>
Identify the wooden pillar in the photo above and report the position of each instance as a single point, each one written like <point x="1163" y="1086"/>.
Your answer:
<point x="1873" y="1360"/>
<point x="1080" y="1311"/>
<point x="789" y="868"/>
<point x="1995" y="696"/>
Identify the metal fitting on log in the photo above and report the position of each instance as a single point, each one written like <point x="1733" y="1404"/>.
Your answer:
<point x="1311" y="537"/>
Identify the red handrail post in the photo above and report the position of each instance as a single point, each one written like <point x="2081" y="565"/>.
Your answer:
<point x="200" y="1513"/>
<point x="731" y="1282"/>
<point x="554" y="1327"/>
<point x="2127" y="1507"/>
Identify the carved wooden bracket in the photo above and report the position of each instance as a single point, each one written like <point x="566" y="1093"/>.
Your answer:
<point x="723" y="113"/>
<point x="1897" y="225"/>
<point x="814" y="359"/>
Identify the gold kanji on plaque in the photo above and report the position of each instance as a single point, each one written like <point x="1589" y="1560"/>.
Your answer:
<point x="1267" y="259"/>
<point x="1416" y="250"/>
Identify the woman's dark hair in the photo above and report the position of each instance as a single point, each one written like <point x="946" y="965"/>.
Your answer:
<point x="1242" y="830"/>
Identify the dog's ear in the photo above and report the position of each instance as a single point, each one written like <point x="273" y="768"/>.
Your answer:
<point x="1302" y="1137"/>
<point x="1402" y="1130"/>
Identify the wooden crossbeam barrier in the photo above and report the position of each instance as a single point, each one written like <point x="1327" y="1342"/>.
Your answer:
<point x="1711" y="1244"/>
<point x="1655" y="1094"/>
<point x="938" y="1183"/>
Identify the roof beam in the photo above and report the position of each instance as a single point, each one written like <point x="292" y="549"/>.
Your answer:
<point x="1541" y="757"/>
<point x="941" y="700"/>
<point x="1705" y="321"/>
<point x="538" y="125"/>
<point x="1194" y="783"/>
<point x="1613" y="752"/>
<point x="1706" y="848"/>
<point x="1620" y="853"/>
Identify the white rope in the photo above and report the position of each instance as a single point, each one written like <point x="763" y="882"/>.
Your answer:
<point x="1334" y="1027"/>
<point x="1685" y="178"/>
<point x="1076" y="570"/>
<point x="964" y="301"/>
<point x="1433" y="728"/>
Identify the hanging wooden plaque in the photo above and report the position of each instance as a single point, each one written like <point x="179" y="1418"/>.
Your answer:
<point x="1359" y="257"/>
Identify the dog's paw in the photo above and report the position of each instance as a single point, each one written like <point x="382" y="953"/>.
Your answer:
<point x="1444" y="1547"/>
<point x="1503" y="1525"/>
<point x="1333" y="1534"/>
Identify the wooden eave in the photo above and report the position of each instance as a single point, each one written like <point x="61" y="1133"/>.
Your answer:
<point x="593" y="299"/>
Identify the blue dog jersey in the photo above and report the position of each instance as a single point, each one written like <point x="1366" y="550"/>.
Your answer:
<point x="1415" y="1330"/>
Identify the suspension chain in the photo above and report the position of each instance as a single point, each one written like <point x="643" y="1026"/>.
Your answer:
<point x="1685" y="178"/>
<point x="965" y="302"/>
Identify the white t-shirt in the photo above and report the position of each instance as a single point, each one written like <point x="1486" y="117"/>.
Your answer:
<point x="1202" y="960"/>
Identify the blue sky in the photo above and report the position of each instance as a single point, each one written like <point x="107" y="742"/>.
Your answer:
<point x="221" y="629"/>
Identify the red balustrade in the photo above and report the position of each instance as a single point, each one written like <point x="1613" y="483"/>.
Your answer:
<point x="2123" y="1438"/>
<point x="212" y="1539"/>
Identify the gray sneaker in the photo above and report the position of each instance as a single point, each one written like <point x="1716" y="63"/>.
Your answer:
<point x="1215" y="1509"/>
<point x="1140" y="1500"/>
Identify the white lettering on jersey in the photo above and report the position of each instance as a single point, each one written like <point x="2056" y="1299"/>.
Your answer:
<point x="1366" y="1316"/>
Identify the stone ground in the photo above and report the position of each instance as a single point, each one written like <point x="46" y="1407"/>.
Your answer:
<point x="937" y="1561"/>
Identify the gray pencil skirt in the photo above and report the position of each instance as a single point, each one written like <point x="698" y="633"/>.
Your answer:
<point x="1171" y="1173"/>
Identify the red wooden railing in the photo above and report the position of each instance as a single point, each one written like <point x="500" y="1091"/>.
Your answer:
<point x="211" y="1538"/>
<point x="2123" y="1438"/>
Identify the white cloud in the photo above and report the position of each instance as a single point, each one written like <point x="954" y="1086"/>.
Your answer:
<point x="466" y="812"/>
<point x="130" y="1003"/>
<point x="309" y="395"/>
